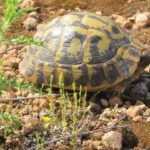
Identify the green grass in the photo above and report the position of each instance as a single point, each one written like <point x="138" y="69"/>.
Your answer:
<point x="9" y="122"/>
<point x="6" y="83"/>
<point x="11" y="14"/>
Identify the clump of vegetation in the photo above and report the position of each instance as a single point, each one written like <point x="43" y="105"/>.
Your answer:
<point x="9" y="123"/>
<point x="72" y="109"/>
<point x="6" y="83"/>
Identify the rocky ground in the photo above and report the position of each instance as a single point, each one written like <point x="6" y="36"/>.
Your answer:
<point x="109" y="121"/>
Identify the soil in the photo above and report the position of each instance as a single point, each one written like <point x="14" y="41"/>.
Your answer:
<point x="98" y="114"/>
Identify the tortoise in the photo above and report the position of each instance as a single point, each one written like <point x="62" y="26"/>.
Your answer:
<point x="86" y="49"/>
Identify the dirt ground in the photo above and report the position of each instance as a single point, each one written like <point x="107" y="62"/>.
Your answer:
<point x="107" y="113"/>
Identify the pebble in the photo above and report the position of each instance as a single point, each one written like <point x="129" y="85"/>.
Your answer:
<point x="112" y="139"/>
<point x="138" y="102"/>
<point x="61" y="11"/>
<point x="96" y="144"/>
<point x="43" y="103"/>
<point x="142" y="19"/>
<point x="127" y="103"/>
<point x="34" y="15"/>
<point x="30" y="23"/>
<point x="31" y="124"/>
<point x="24" y="111"/>
<point x="99" y="13"/>
<point x="137" y="118"/>
<point x="115" y="101"/>
<point x="104" y="102"/>
<point x="10" y="74"/>
<point x="134" y="111"/>
<point x="97" y="135"/>
<point x="78" y="9"/>
<point x="148" y="119"/>
<point x="95" y="108"/>
<point x="27" y="3"/>
<point x="25" y="93"/>
<point x="107" y="112"/>
<point x="15" y="63"/>
<point x="147" y="113"/>
<point x="122" y="21"/>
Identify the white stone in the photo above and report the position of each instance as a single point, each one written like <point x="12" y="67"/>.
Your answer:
<point x="142" y="19"/>
<point x="30" y="23"/>
<point x="112" y="139"/>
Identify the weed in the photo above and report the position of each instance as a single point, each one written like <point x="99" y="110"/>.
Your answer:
<point x="9" y="123"/>
<point x="11" y="14"/>
<point x="6" y="83"/>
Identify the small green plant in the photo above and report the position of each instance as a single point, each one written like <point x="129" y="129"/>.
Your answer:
<point x="70" y="109"/>
<point x="6" y="83"/>
<point x="63" y="102"/>
<point x="11" y="14"/>
<point x="9" y="122"/>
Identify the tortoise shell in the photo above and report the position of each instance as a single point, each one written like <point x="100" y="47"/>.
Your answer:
<point x="87" y="49"/>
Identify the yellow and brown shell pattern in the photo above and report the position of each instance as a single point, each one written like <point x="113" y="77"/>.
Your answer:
<point x="87" y="49"/>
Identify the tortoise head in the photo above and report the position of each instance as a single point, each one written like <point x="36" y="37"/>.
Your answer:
<point x="145" y="58"/>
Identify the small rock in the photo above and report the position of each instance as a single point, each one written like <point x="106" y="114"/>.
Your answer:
<point x="2" y="48"/>
<point x="36" y="102"/>
<point x="104" y="102"/>
<point x="137" y="118"/>
<point x="147" y="113"/>
<point x="78" y="9"/>
<point x="129" y="1"/>
<point x="134" y="111"/>
<point x="99" y="13"/>
<point x="127" y="103"/>
<point x="138" y="102"/>
<point x="96" y="144"/>
<point x="122" y="21"/>
<point x="34" y="15"/>
<point x="11" y="140"/>
<point x="107" y="112"/>
<point x="10" y="74"/>
<point x="25" y="93"/>
<point x="30" y="23"/>
<point x="115" y="101"/>
<point x="35" y="109"/>
<point x="27" y="3"/>
<point x="97" y="135"/>
<point x="88" y="144"/>
<point x="95" y="108"/>
<point x="142" y="19"/>
<point x="12" y="52"/>
<point x="112" y="139"/>
<point x="61" y="11"/>
<point x="15" y="63"/>
<point x="24" y="111"/>
<point x="43" y="103"/>
<point x="148" y="119"/>
<point x="31" y="124"/>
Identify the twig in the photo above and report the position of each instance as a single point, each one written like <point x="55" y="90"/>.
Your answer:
<point x="80" y="135"/>
<point x="9" y="49"/>
<point x="6" y="100"/>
